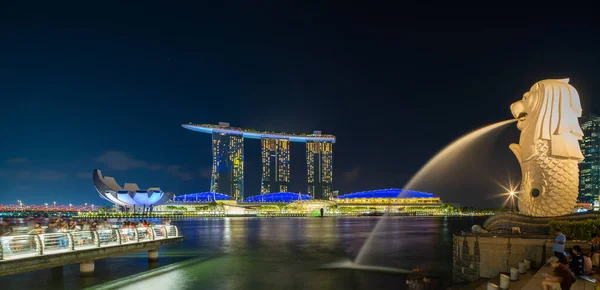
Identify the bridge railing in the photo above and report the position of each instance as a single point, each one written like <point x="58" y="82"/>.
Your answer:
<point x="55" y="242"/>
<point x="83" y="239"/>
<point x="12" y="246"/>
<point x="20" y="246"/>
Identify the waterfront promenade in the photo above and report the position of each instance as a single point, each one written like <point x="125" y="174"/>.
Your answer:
<point x="24" y="253"/>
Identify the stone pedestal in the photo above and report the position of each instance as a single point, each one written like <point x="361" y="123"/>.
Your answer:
<point x="86" y="268"/>
<point x="514" y="274"/>
<point x="522" y="268"/>
<point x="504" y="281"/>
<point x="492" y="286"/>
<point x="153" y="255"/>
<point x="527" y="264"/>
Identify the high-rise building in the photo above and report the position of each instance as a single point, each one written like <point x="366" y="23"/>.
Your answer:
<point x="228" y="164"/>
<point x="275" y="165"/>
<point x="589" y="169"/>
<point x="319" y="168"/>
<point x="228" y="159"/>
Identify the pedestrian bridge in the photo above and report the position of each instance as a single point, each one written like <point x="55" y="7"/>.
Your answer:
<point x="24" y="253"/>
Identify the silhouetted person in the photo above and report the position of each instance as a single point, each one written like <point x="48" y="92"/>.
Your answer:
<point x="576" y="262"/>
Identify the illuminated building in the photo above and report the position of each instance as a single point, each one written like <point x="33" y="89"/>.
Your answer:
<point x="228" y="159"/>
<point x="275" y="165"/>
<point x="392" y="196"/>
<point x="201" y="197"/>
<point x="277" y="197"/>
<point x="589" y="168"/>
<point x="319" y="168"/>
<point x="227" y="174"/>
<point x="130" y="195"/>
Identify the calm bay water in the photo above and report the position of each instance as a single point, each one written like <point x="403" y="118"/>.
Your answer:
<point x="271" y="253"/>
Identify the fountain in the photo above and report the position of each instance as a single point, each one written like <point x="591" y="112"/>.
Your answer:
<point x="548" y="153"/>
<point x="443" y="158"/>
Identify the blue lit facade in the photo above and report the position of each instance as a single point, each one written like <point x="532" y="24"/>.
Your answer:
<point x="388" y="193"/>
<point x="391" y="196"/>
<point x="224" y="128"/>
<point x="201" y="197"/>
<point x="283" y="197"/>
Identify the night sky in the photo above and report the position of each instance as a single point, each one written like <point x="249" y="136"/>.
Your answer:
<point x="108" y="87"/>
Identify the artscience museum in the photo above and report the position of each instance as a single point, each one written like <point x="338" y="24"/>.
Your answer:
<point x="129" y="196"/>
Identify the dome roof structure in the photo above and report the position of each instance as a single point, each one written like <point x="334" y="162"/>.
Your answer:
<point x="388" y="193"/>
<point x="201" y="197"/>
<point x="278" y="197"/>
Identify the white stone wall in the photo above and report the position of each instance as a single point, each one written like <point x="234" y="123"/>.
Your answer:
<point x="488" y="256"/>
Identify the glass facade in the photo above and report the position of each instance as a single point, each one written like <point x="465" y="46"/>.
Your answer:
<point x="319" y="169"/>
<point x="589" y="169"/>
<point x="201" y="197"/>
<point x="228" y="165"/>
<point x="275" y="155"/>
<point x="227" y="174"/>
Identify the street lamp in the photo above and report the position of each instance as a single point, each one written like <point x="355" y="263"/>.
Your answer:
<point x="55" y="204"/>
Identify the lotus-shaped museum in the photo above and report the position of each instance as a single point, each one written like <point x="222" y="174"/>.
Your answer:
<point x="128" y="195"/>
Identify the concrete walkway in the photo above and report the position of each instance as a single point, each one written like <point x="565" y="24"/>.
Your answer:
<point x="535" y="283"/>
<point x="514" y="285"/>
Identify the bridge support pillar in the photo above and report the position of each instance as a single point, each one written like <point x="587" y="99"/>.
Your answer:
<point x="86" y="268"/>
<point x="153" y="255"/>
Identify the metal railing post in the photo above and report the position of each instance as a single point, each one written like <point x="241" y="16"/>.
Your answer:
<point x="1" y="250"/>
<point x="97" y="237"/>
<point x="39" y="245"/>
<point x="176" y="231"/>
<point x="71" y="241"/>
<point x="152" y="233"/>
<point x="118" y="236"/>
<point x="137" y="235"/>
<point x="166" y="232"/>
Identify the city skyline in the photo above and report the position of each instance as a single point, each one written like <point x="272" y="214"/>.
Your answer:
<point x="111" y="96"/>
<point x="589" y="168"/>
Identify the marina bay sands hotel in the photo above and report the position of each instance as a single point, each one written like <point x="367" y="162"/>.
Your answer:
<point x="228" y="159"/>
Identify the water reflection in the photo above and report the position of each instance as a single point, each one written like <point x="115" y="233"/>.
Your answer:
<point x="268" y="253"/>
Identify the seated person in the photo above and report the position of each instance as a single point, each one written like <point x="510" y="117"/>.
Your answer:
<point x="576" y="261"/>
<point x="561" y="278"/>
<point x="594" y="243"/>
<point x="587" y="264"/>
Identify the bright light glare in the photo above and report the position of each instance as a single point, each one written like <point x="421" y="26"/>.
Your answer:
<point x="510" y="192"/>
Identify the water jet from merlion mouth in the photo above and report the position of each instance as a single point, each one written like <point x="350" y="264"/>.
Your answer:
<point x="441" y="160"/>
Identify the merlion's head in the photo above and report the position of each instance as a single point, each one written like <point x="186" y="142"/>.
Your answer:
<point x="550" y="111"/>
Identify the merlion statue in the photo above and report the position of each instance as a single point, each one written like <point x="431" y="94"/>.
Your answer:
<point x="548" y="149"/>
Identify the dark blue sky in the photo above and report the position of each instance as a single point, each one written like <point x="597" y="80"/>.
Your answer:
<point x="108" y="87"/>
